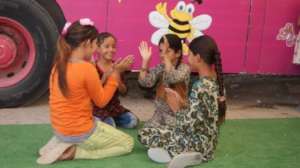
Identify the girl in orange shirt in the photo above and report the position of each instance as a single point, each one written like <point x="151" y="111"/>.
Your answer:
<point x="74" y="87"/>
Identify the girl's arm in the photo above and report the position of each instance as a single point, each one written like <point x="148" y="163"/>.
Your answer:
<point x="106" y="75"/>
<point x="151" y="77"/>
<point x="101" y="95"/>
<point x="146" y="53"/>
<point x="144" y="70"/>
<point x="122" y="88"/>
<point x="202" y="98"/>
<point x="173" y="76"/>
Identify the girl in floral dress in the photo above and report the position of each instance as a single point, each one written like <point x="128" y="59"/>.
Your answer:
<point x="194" y="138"/>
<point x="170" y="73"/>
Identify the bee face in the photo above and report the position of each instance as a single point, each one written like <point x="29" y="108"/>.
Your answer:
<point x="181" y="22"/>
<point x="183" y="12"/>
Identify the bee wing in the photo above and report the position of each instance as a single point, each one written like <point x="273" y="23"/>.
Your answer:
<point x="156" y="36"/>
<point x="157" y="20"/>
<point x="197" y="33"/>
<point x="201" y="22"/>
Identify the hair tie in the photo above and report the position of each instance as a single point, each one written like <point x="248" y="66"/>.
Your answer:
<point x="82" y="22"/>
<point x="66" y="28"/>
<point x="86" y="22"/>
<point x="222" y="99"/>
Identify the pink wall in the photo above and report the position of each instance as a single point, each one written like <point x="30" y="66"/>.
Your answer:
<point x="265" y="53"/>
<point x="244" y="29"/>
<point x="94" y="9"/>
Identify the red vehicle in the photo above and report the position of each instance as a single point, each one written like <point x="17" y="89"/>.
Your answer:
<point x="28" y="34"/>
<point x="246" y="31"/>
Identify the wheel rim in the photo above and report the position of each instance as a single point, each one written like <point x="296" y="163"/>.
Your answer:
<point x="17" y="52"/>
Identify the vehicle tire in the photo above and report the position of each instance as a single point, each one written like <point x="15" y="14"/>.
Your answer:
<point x="55" y="12"/>
<point x="28" y="36"/>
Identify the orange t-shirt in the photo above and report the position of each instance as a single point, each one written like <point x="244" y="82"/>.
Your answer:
<point x="72" y="116"/>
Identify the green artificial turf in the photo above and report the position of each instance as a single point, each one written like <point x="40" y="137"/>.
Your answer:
<point x="273" y="143"/>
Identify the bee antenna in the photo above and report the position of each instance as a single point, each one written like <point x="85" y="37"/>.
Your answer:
<point x="198" y="1"/>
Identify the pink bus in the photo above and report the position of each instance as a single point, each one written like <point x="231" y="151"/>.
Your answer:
<point x="251" y="34"/>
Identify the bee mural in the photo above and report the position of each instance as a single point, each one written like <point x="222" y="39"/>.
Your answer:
<point x="180" y="22"/>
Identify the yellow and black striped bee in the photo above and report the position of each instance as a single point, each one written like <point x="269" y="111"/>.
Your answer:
<point x="181" y="22"/>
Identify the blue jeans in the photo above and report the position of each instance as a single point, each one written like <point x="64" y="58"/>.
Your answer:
<point x="125" y="120"/>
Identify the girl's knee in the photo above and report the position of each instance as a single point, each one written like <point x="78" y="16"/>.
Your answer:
<point x="127" y="120"/>
<point x="133" y="122"/>
<point x="141" y="138"/>
<point x="130" y="144"/>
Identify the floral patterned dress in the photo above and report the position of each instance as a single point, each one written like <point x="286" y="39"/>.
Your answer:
<point x="157" y="76"/>
<point x="196" y="128"/>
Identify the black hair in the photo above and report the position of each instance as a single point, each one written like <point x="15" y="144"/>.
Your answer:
<point x="198" y="1"/>
<point x="104" y="35"/>
<point x="175" y="43"/>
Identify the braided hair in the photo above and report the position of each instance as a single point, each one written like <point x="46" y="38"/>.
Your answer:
<point x="207" y="48"/>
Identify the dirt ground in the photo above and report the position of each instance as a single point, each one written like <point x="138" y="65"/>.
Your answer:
<point x="248" y="98"/>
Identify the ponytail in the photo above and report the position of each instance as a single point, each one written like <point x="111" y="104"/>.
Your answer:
<point x="179" y="61"/>
<point x="221" y="100"/>
<point x="60" y="64"/>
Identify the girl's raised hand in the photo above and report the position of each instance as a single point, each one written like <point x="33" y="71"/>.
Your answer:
<point x="128" y="61"/>
<point x="145" y="51"/>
